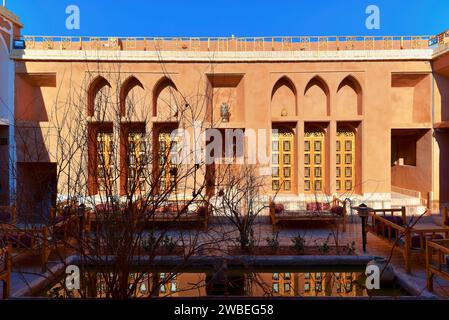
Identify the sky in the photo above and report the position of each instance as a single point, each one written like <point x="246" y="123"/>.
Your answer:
<point x="231" y="17"/>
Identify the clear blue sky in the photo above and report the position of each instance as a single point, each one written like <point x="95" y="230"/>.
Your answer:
<point x="228" y="17"/>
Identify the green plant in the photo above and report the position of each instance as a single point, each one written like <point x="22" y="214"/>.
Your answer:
<point x="169" y="243"/>
<point x="149" y="243"/>
<point x="273" y="242"/>
<point x="350" y="248"/>
<point x="299" y="243"/>
<point x="325" y="248"/>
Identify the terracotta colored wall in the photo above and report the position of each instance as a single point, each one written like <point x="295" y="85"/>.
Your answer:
<point x="419" y="177"/>
<point x="254" y="94"/>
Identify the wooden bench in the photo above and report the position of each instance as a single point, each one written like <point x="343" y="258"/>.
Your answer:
<point x="5" y="270"/>
<point x="308" y="215"/>
<point x="409" y="240"/>
<point x="38" y="238"/>
<point x="179" y="212"/>
<point x="436" y="265"/>
<point x="170" y="212"/>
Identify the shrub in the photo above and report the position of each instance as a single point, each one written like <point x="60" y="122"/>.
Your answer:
<point x="299" y="243"/>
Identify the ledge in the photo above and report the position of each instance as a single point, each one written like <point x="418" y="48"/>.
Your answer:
<point x="234" y="56"/>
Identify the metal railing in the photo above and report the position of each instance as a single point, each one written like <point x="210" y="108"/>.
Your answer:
<point x="230" y="44"/>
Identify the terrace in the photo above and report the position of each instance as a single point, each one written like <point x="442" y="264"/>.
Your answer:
<point x="28" y="279"/>
<point x="278" y="48"/>
<point x="230" y="44"/>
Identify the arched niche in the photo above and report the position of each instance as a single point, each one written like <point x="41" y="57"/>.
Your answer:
<point x="349" y="98"/>
<point x="316" y="99"/>
<point x="283" y="98"/>
<point x="132" y="98"/>
<point x="166" y="99"/>
<point x="100" y="99"/>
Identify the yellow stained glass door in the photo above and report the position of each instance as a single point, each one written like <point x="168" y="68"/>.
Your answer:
<point x="105" y="164"/>
<point x="167" y="161"/>
<point x="314" y="160"/>
<point x="136" y="162"/>
<point x="345" y="160"/>
<point x="282" y="153"/>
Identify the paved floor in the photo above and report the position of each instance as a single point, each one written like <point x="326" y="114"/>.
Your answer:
<point x="26" y="271"/>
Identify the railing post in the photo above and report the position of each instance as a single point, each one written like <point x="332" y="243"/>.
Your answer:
<point x="45" y="253"/>
<point x="7" y="282"/>
<point x="404" y="215"/>
<point x="407" y="252"/>
<point x="429" y="274"/>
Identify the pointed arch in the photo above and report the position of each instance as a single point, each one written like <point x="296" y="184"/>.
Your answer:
<point x="126" y="88"/>
<point x="95" y="86"/>
<point x="163" y="84"/>
<point x="350" y="97"/>
<point x="283" y="98"/>
<point x="284" y="81"/>
<point x="317" y="98"/>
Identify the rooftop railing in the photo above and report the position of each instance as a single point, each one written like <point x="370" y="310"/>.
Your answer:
<point x="222" y="44"/>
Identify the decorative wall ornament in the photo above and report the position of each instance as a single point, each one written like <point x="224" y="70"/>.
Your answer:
<point x="284" y="112"/>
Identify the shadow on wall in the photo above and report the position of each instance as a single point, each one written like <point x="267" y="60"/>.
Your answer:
<point x="443" y="88"/>
<point x="442" y="137"/>
<point x="411" y="158"/>
<point x="36" y="191"/>
<point x="4" y="165"/>
<point x="36" y="176"/>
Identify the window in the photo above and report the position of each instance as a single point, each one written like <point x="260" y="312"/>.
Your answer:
<point x="346" y="153"/>
<point x="105" y="165"/>
<point x="136" y="162"/>
<point x="314" y="160"/>
<point x="282" y="150"/>
<point x="167" y="150"/>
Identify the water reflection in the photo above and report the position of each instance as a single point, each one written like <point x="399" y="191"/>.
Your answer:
<point x="230" y="283"/>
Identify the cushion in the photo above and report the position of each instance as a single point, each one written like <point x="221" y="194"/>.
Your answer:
<point x="102" y="208"/>
<point x="279" y="208"/>
<point x="318" y="206"/>
<point x="162" y="209"/>
<point x="416" y="240"/>
<point x="312" y="206"/>
<point x="338" y="210"/>
<point x="173" y="208"/>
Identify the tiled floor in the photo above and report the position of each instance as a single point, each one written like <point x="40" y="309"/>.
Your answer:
<point x="219" y="234"/>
